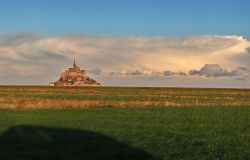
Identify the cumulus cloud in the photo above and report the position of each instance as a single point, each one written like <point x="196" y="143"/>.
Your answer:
<point x="43" y="56"/>
<point x="248" y="50"/>
<point x="211" y="70"/>
<point x="136" y="72"/>
<point x="171" y="73"/>
<point x="215" y="70"/>
<point x="96" y="71"/>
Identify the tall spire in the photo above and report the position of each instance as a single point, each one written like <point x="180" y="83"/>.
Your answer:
<point x="74" y="65"/>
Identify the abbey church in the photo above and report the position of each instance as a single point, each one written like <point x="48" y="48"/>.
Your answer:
<point x="75" y="77"/>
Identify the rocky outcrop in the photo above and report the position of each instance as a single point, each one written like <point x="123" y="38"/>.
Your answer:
<point x="75" y="77"/>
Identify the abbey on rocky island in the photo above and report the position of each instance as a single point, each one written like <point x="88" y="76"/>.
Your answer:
<point x="75" y="77"/>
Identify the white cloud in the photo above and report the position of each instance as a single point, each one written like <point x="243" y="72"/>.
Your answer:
<point x="215" y="70"/>
<point x="95" y="71"/>
<point x="31" y="54"/>
<point x="170" y="73"/>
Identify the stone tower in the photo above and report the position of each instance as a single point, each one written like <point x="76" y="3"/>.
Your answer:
<point x="75" y="77"/>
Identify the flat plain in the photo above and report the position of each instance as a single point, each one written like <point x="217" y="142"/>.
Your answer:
<point x="124" y="123"/>
<point x="35" y="97"/>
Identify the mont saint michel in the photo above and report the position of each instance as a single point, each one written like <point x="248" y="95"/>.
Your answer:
<point x="75" y="77"/>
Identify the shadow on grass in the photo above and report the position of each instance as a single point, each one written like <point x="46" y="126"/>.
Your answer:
<point x="32" y="142"/>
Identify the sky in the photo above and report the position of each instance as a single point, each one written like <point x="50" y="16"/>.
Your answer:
<point x="176" y="43"/>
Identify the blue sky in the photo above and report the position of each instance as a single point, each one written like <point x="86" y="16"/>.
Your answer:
<point x="179" y="43"/>
<point x="170" y="18"/>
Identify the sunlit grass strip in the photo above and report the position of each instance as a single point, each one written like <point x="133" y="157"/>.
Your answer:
<point x="24" y="97"/>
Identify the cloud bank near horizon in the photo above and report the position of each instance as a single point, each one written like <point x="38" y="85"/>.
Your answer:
<point x="39" y="59"/>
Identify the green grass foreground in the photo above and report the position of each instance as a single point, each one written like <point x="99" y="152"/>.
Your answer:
<point x="187" y="133"/>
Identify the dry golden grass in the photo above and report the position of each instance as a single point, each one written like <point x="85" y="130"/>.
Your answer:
<point x="24" y="97"/>
<point x="21" y="103"/>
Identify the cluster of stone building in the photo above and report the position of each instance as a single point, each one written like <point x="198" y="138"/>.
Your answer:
<point x="75" y="77"/>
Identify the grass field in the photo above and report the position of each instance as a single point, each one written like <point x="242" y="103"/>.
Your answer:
<point x="124" y="123"/>
<point x="22" y="97"/>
